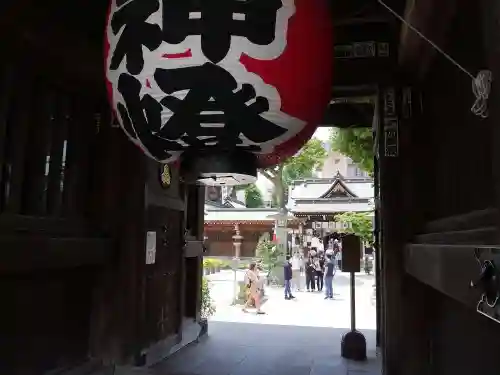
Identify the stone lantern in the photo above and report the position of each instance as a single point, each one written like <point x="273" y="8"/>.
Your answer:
<point x="237" y="239"/>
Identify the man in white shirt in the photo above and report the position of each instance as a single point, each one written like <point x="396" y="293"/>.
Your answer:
<point x="296" y="271"/>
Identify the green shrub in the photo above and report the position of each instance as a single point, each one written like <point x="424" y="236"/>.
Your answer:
<point x="215" y="263"/>
<point x="269" y="254"/>
<point x="207" y="303"/>
<point x="208" y="263"/>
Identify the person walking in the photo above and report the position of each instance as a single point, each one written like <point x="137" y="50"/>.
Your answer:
<point x="287" y="270"/>
<point x="302" y="277"/>
<point x="296" y="265"/>
<point x="253" y="288"/>
<point x="329" y="273"/>
<point x="310" y="274"/>
<point x="319" y="265"/>
<point x="339" y="260"/>
<point x="337" y="253"/>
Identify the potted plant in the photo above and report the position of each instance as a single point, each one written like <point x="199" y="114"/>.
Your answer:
<point x="207" y="306"/>
<point x="206" y="267"/>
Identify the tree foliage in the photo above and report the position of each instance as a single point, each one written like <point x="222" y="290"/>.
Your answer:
<point x="302" y="165"/>
<point x="361" y="224"/>
<point x="253" y="196"/>
<point x="207" y="303"/>
<point x="356" y="143"/>
<point x="268" y="252"/>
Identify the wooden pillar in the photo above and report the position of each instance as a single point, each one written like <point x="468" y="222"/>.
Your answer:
<point x="391" y="195"/>
<point x="378" y="248"/>
<point x="406" y="302"/>
<point x="193" y="266"/>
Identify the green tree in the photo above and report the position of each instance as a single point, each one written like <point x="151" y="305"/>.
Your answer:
<point x="356" y="143"/>
<point x="302" y="165"/>
<point x="361" y="224"/>
<point x="269" y="254"/>
<point x="253" y="196"/>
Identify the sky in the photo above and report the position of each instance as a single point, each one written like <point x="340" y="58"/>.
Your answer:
<point x="322" y="133"/>
<point x="266" y="186"/>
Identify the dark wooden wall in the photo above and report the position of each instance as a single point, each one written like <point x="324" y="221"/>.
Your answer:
<point x="444" y="192"/>
<point x="76" y="201"/>
<point x="47" y="140"/>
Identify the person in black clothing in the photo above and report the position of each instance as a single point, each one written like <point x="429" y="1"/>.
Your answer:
<point x="319" y="266"/>
<point x="287" y="269"/>
<point x="310" y="274"/>
<point x="329" y="273"/>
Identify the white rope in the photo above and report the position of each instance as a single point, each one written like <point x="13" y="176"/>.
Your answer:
<point x="481" y="84"/>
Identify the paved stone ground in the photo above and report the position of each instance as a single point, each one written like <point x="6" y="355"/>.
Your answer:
<point x="300" y="337"/>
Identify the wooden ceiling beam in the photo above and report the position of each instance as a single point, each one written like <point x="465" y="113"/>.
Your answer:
<point x="54" y="48"/>
<point x="347" y="115"/>
<point x="433" y="19"/>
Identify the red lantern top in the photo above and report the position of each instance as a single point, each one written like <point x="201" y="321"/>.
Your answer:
<point x="219" y="76"/>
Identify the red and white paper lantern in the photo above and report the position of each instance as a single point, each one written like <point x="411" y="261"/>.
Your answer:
<point x="190" y="76"/>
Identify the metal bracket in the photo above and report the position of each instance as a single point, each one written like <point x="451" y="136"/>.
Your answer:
<point x="489" y="283"/>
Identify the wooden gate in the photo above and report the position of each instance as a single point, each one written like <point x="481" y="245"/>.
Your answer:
<point x="48" y="249"/>
<point x="163" y="279"/>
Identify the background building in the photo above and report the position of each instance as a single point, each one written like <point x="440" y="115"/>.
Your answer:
<point x="335" y="163"/>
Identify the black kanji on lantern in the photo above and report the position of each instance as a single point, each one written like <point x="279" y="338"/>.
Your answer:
<point x="141" y="117"/>
<point x="214" y="113"/>
<point x="217" y="20"/>
<point x="136" y="33"/>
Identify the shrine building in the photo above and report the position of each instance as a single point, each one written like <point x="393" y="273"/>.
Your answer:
<point x="222" y="223"/>
<point x="318" y="200"/>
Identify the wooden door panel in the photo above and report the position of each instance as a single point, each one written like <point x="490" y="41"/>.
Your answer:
<point x="163" y="279"/>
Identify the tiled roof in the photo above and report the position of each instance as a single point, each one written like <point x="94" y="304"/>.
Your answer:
<point x="315" y="188"/>
<point x="306" y="195"/>
<point x="241" y="214"/>
<point x="361" y="189"/>
<point x="328" y="206"/>
<point x="233" y="203"/>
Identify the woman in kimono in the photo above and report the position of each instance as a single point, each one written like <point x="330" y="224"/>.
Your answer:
<point x="253" y="286"/>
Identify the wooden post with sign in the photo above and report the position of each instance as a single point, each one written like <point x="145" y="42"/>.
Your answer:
<point x="353" y="345"/>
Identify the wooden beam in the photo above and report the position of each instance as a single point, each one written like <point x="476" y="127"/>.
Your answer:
<point x="10" y="224"/>
<point x="470" y="220"/>
<point x="54" y="48"/>
<point x="17" y="155"/>
<point x="446" y="268"/>
<point x="353" y="91"/>
<point x="6" y="90"/>
<point x="27" y="254"/>
<point x="433" y="19"/>
<point x="347" y="115"/>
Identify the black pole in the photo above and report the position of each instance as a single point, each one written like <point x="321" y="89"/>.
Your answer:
<point x="353" y="303"/>
<point x="353" y="345"/>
